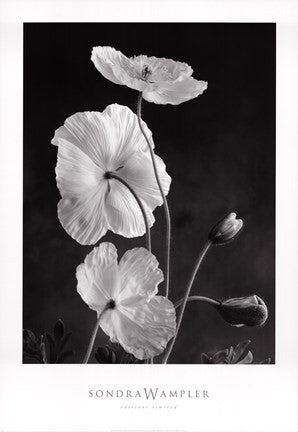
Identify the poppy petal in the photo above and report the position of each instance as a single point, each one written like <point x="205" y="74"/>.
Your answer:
<point x="143" y="330"/>
<point x="140" y="275"/>
<point x="83" y="190"/>
<point x="91" y="144"/>
<point x="91" y="132"/>
<point x="123" y="213"/>
<point x="138" y="173"/>
<point x="98" y="276"/>
<point x="107" y="61"/>
<point x="128" y="137"/>
<point x="108" y="138"/>
<point x="175" y="93"/>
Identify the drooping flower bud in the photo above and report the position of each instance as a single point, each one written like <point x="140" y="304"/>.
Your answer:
<point x="226" y="229"/>
<point x="244" y="311"/>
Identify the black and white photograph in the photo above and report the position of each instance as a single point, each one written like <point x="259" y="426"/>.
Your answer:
<point x="148" y="185"/>
<point x="149" y="193"/>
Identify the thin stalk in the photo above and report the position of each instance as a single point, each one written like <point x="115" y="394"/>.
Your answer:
<point x="198" y="298"/>
<point x="190" y="283"/>
<point x="94" y="333"/>
<point x="166" y="207"/>
<point x="148" y="236"/>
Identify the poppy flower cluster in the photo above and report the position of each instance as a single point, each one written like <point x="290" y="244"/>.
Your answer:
<point x="111" y="179"/>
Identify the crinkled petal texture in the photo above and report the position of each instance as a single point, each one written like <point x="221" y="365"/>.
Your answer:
<point x="161" y="80"/>
<point x="141" y="322"/>
<point x="175" y="93"/>
<point x="116" y="67"/>
<point x="143" y="330"/>
<point x="91" y="144"/>
<point x="98" y="277"/>
<point x="109" y="62"/>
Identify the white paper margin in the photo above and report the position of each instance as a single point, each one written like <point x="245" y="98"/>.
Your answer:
<point x="55" y="398"/>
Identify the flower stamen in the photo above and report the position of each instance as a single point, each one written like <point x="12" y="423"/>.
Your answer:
<point x="146" y="72"/>
<point x="111" y="304"/>
<point x="107" y="175"/>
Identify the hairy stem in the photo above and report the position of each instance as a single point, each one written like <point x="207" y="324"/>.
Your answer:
<point x="183" y="304"/>
<point x="198" y="298"/>
<point x="166" y="207"/>
<point x="94" y="333"/>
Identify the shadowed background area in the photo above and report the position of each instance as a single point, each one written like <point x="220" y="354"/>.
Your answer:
<point x="219" y="150"/>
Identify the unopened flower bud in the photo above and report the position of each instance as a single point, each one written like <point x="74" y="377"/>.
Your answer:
<point x="244" y="311"/>
<point x="226" y="229"/>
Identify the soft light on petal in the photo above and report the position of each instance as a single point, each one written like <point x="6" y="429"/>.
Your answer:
<point x="91" y="132"/>
<point x="98" y="277"/>
<point x="108" y="138"/>
<point x="138" y="173"/>
<point x="140" y="275"/>
<point x="128" y="137"/>
<point x="108" y="62"/>
<point x="139" y="321"/>
<point x="144" y="330"/>
<point x="123" y="213"/>
<point x="90" y="145"/>
<point x="83" y="190"/>
<point x="175" y="93"/>
<point x="167" y="70"/>
<point x="161" y="80"/>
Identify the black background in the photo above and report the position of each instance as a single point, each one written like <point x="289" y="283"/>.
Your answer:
<point x="219" y="150"/>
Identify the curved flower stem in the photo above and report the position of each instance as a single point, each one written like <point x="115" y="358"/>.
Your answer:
<point x="183" y="304"/>
<point x="198" y="298"/>
<point x="148" y="236"/>
<point x="94" y="333"/>
<point x="166" y="207"/>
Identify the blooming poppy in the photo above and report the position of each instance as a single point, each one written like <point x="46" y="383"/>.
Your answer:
<point x="91" y="145"/>
<point x="124" y="297"/>
<point x="161" y="80"/>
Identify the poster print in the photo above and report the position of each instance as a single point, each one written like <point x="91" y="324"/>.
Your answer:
<point x="244" y="397"/>
<point x="149" y="193"/>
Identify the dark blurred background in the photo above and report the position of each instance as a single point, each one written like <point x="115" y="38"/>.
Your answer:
<point x="219" y="150"/>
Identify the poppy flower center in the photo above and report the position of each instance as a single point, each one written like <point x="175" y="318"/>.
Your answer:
<point x="146" y="72"/>
<point x="111" y="304"/>
<point x="107" y="175"/>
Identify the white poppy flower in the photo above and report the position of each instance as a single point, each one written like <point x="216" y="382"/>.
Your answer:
<point x="90" y="145"/>
<point x="162" y="81"/>
<point x="124" y="297"/>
